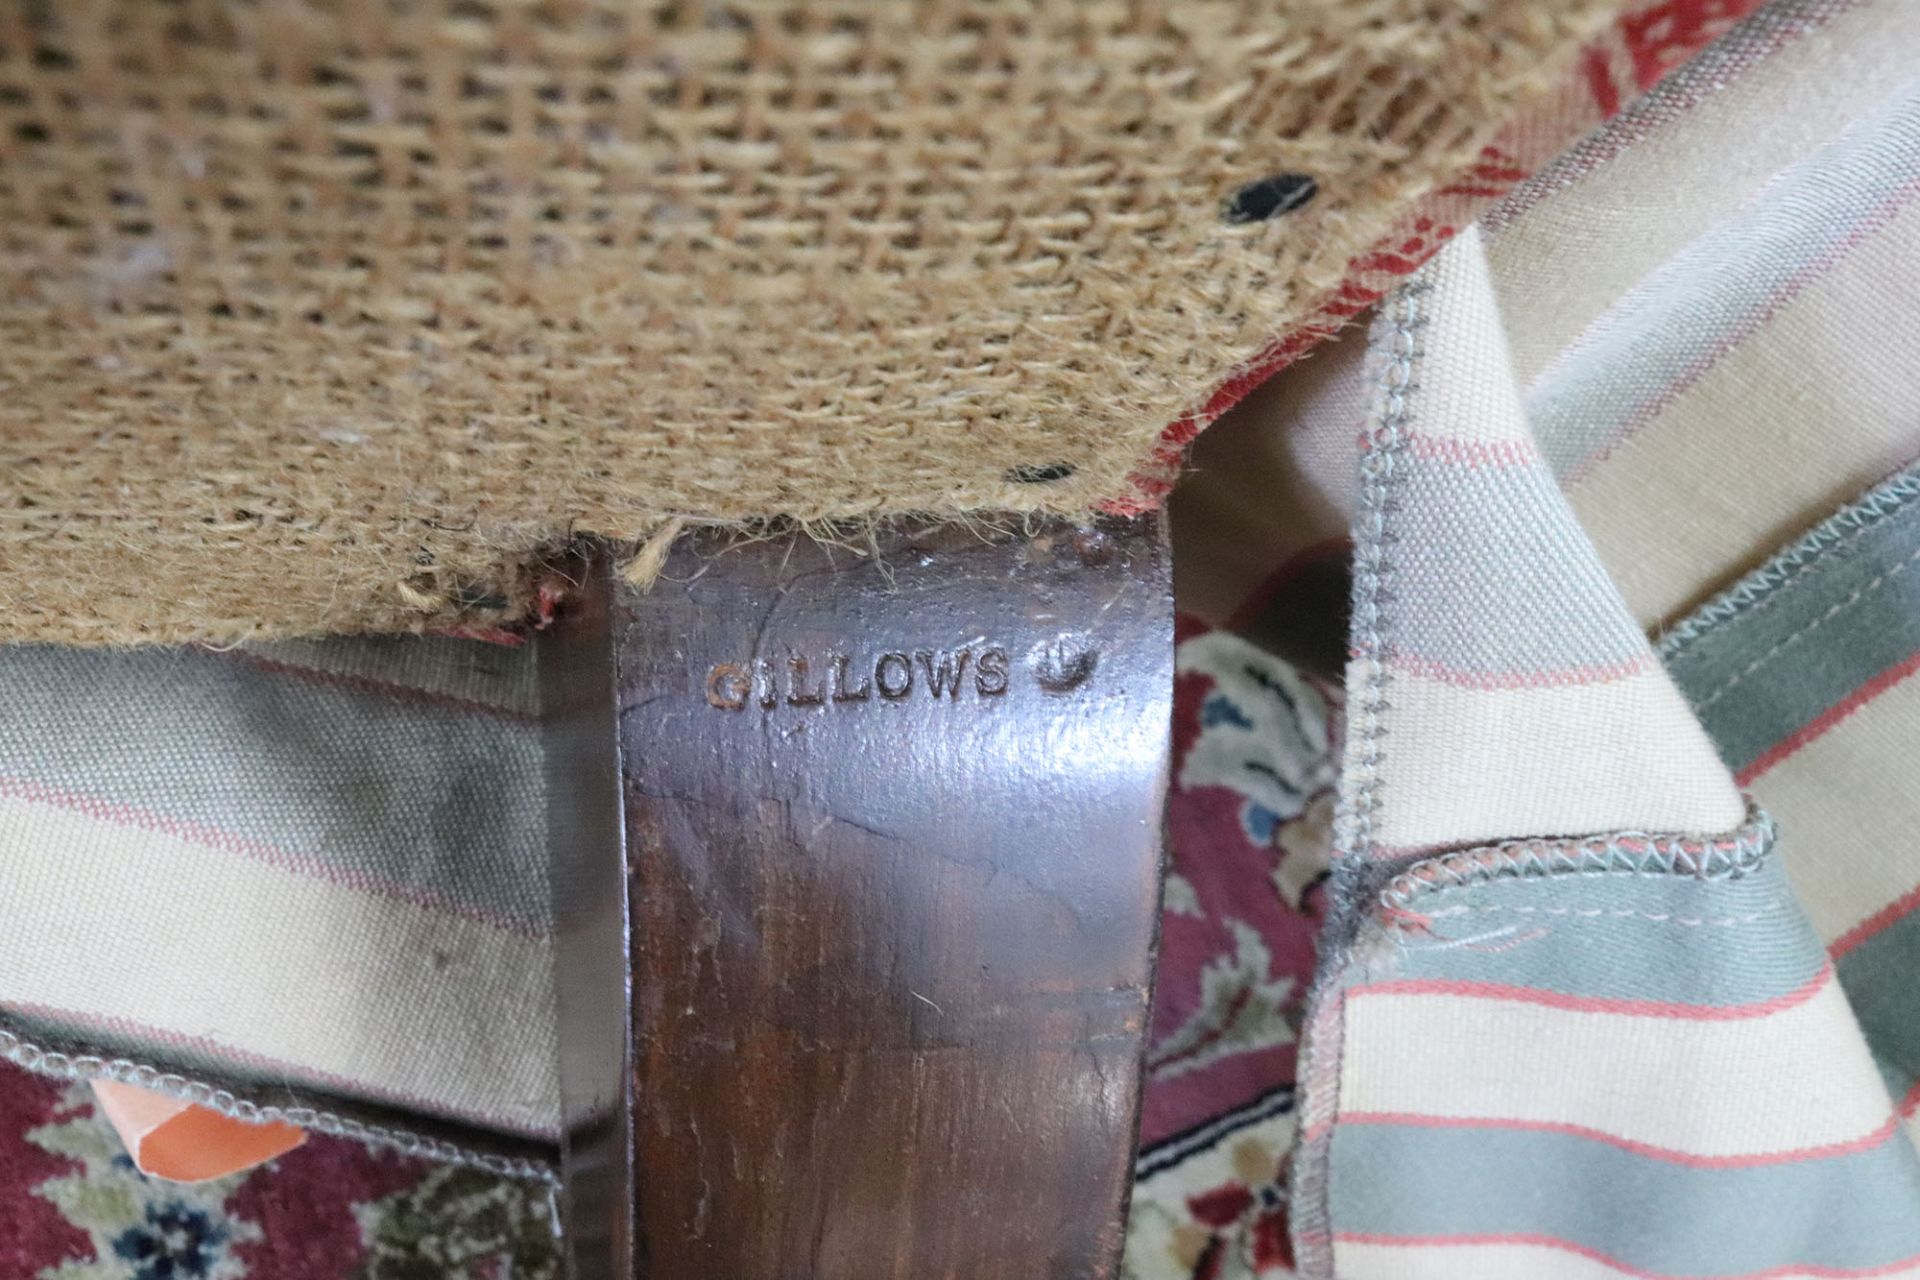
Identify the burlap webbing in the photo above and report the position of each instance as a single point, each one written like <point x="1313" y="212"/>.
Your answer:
<point x="327" y="316"/>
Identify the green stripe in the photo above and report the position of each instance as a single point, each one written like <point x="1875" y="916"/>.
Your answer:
<point x="1853" y="1211"/>
<point x="1802" y="633"/>
<point x="1620" y="937"/>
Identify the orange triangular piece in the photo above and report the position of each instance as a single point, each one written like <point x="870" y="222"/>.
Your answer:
<point x="180" y="1142"/>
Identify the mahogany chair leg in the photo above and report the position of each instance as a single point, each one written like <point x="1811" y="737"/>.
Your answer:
<point x="890" y="879"/>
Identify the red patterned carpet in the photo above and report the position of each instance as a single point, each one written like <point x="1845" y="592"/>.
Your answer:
<point x="74" y="1208"/>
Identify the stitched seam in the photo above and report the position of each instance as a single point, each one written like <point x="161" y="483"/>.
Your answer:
<point x="1762" y="588"/>
<point x="85" y="1066"/>
<point x="262" y="1065"/>
<point x="1360" y="784"/>
<point x="1831" y="612"/>
<point x="1613" y="913"/>
<point x="1622" y="853"/>
<point x="1383" y="446"/>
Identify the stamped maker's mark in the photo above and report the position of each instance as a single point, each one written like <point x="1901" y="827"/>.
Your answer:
<point x="968" y="673"/>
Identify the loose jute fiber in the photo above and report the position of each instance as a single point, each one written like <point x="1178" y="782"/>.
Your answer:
<point x="325" y="316"/>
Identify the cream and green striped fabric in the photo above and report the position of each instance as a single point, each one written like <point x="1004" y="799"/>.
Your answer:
<point x="313" y="870"/>
<point x="1583" y="1013"/>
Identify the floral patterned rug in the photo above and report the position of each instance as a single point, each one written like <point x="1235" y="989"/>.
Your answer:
<point x="74" y="1208"/>
<point x="1255" y="744"/>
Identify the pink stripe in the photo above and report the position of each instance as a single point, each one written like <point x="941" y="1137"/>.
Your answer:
<point x="1475" y="454"/>
<point x="1564" y="677"/>
<point x="406" y="693"/>
<point x="138" y="819"/>
<point x="1568" y="1246"/>
<point x="1599" y="1004"/>
<point x="276" y="1066"/>
<point x="1895" y="911"/>
<point x="1415" y="1121"/>
<point x="1820" y="724"/>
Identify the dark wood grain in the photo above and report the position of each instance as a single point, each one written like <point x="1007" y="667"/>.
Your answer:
<point x="893" y="832"/>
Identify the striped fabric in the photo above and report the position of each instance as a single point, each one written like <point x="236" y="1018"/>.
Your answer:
<point x="1748" y="324"/>
<point x="1547" y="1045"/>
<point x="1687" y="340"/>
<point x="285" y="816"/>
<point x="1550" y="1053"/>
<point x="1646" y="1046"/>
<point x="1293" y="435"/>
<point x="1519" y="695"/>
<point x="1581" y="1015"/>
<point x="1803" y="672"/>
<point x="1734" y="254"/>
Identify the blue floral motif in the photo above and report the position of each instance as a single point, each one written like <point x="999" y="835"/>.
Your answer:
<point x="1265" y="732"/>
<point x="1258" y="822"/>
<point x="174" y="1243"/>
<point x="1219" y="709"/>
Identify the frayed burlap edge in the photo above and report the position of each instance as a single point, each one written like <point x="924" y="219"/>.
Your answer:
<point x="326" y="322"/>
